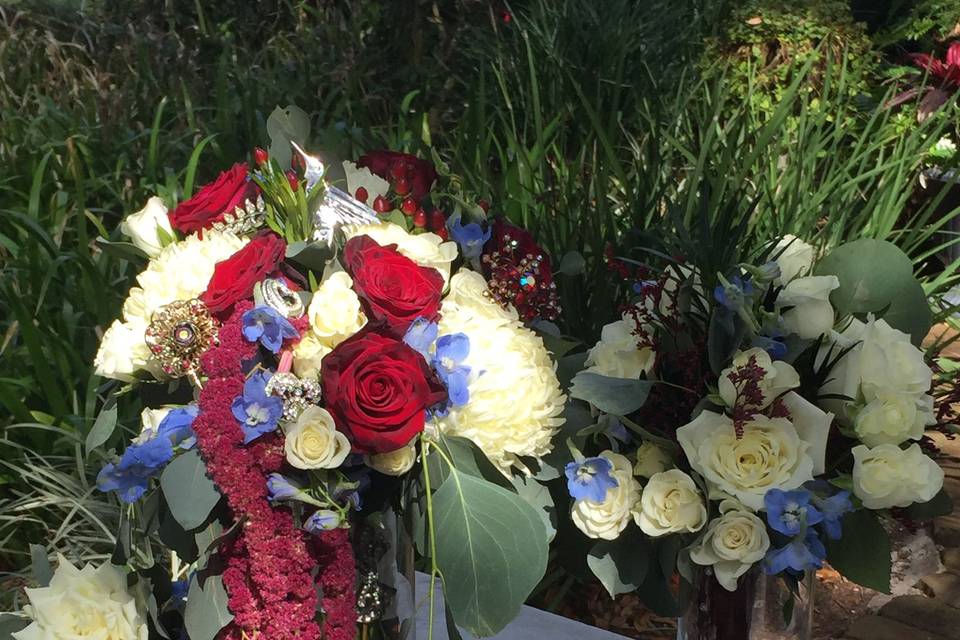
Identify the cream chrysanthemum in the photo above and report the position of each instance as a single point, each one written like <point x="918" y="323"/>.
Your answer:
<point x="515" y="397"/>
<point x="180" y="272"/>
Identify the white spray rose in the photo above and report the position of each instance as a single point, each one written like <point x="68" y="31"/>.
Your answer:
<point x="313" y="442"/>
<point x="733" y="543"/>
<point x="651" y="460"/>
<point x="794" y="257"/>
<point x="426" y="249"/>
<point x="334" y="311"/>
<point x="619" y="354"/>
<point x="141" y="227"/>
<point x="606" y="520"/>
<point x="362" y="177"/>
<point x="92" y="602"/>
<point x="150" y="420"/>
<point x="778" y="378"/>
<point x="308" y="356"/>
<point x="769" y="455"/>
<point x="122" y="351"/>
<point x="891" y="418"/>
<point x="887" y="476"/>
<point x="671" y="503"/>
<point x="396" y="462"/>
<point x="810" y="313"/>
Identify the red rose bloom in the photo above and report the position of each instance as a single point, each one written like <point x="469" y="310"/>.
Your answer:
<point x="214" y="200"/>
<point x="378" y="389"/>
<point x="392" y="287"/>
<point x="233" y="278"/>
<point x="394" y="166"/>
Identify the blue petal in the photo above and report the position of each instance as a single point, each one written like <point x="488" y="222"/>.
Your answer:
<point x="420" y="335"/>
<point x="455" y="346"/>
<point x="457" y="388"/>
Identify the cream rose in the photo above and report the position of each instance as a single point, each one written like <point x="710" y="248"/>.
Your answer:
<point x="813" y="426"/>
<point x="891" y="418"/>
<point x="733" y="543"/>
<point x="651" y="460"/>
<point x="809" y="313"/>
<point x="769" y="455"/>
<point x="794" y="257"/>
<point x="150" y="420"/>
<point x="313" y="442"/>
<point x="363" y="178"/>
<point x="426" y="249"/>
<point x="308" y="355"/>
<point x="142" y="227"/>
<point x="778" y="378"/>
<point x="606" y="520"/>
<point x="887" y="476"/>
<point x="84" y="603"/>
<point x="619" y="354"/>
<point x="396" y="462"/>
<point x="334" y="311"/>
<point x="671" y="503"/>
<point x="122" y="351"/>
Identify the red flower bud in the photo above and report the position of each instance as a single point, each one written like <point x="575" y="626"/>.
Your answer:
<point x="362" y="195"/>
<point x="409" y="207"/>
<point x="437" y="219"/>
<point x="260" y="156"/>
<point x="292" y="179"/>
<point x="402" y="186"/>
<point x="399" y="170"/>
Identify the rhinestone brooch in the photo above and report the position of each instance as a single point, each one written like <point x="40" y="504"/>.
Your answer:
<point x="178" y="334"/>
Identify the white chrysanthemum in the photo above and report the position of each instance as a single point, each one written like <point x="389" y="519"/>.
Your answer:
<point x="426" y="249"/>
<point x="180" y="272"/>
<point x="515" y="397"/>
<point x="92" y="602"/>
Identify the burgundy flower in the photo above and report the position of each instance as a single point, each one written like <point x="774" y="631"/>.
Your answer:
<point x="233" y="278"/>
<point x="519" y="272"/>
<point x="214" y="200"/>
<point x="394" y="166"/>
<point x="945" y="72"/>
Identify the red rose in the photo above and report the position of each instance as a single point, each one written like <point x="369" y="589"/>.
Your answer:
<point x="233" y="278"/>
<point x="214" y="200"/>
<point x="393" y="166"/>
<point x="392" y="287"/>
<point x="378" y="389"/>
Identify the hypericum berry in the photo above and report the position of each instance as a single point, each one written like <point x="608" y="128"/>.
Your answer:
<point x="260" y="156"/>
<point x="409" y="207"/>
<point x="442" y="232"/>
<point x="399" y="170"/>
<point x="484" y="205"/>
<point x="402" y="186"/>
<point x="437" y="219"/>
<point x="362" y="195"/>
<point x="293" y="180"/>
<point x="420" y="218"/>
<point x="381" y="205"/>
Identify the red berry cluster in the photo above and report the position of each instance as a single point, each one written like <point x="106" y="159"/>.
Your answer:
<point x="411" y="179"/>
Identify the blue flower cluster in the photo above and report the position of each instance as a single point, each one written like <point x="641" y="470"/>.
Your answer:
<point x="589" y="478"/>
<point x="146" y="458"/>
<point x="268" y="326"/>
<point x="795" y="514"/>
<point x="447" y="359"/>
<point x="256" y="411"/>
<point x="471" y="237"/>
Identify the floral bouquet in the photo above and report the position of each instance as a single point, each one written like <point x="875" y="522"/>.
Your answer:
<point x="324" y="374"/>
<point x="750" y="422"/>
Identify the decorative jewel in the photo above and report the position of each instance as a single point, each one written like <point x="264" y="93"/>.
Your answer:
<point x="278" y="295"/>
<point x="297" y="393"/>
<point x="338" y="208"/>
<point x="372" y="595"/>
<point x="178" y="334"/>
<point x="245" y="219"/>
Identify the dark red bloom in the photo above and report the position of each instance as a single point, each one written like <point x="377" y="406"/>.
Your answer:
<point x="233" y="278"/>
<point x="519" y="272"/>
<point x="946" y="71"/>
<point x="214" y="200"/>
<point x="394" y="166"/>
<point x="392" y="287"/>
<point x="377" y="388"/>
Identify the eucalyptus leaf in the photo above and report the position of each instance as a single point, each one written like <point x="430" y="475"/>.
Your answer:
<point x="102" y="428"/>
<point x="940" y="505"/>
<point x="622" y="564"/>
<point x="862" y="554"/>
<point x="312" y="255"/>
<point x="619" y="396"/>
<point x="538" y="497"/>
<point x="10" y="623"/>
<point x="206" y="613"/>
<point x="572" y="264"/>
<point x="190" y="494"/>
<point x="126" y="251"/>
<point x="40" y="565"/>
<point x="491" y="550"/>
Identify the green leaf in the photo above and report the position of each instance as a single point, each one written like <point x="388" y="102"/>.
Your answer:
<point x="40" y="565"/>
<point x="877" y="277"/>
<point x="940" y="505"/>
<point x="538" y="496"/>
<point x="724" y="337"/>
<point x="312" y="255"/>
<point x="467" y="458"/>
<point x="619" y="396"/>
<point x="862" y="554"/>
<point x="621" y="565"/>
<point x="10" y="623"/>
<point x="206" y="613"/>
<point x="126" y="251"/>
<point x="572" y="264"/>
<point x="190" y="494"/>
<point x="491" y="551"/>
<point x="102" y="427"/>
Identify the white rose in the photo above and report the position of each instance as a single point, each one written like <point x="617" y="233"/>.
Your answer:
<point x="671" y="503"/>
<point x="619" y="354"/>
<point x="778" y="378"/>
<point x="334" y="311"/>
<point x="733" y="543"/>
<point x="426" y="249"/>
<point x="122" y="351"/>
<point x="651" y="460"/>
<point x="84" y="603"/>
<point x="794" y="257"/>
<point x="362" y="177"/>
<point x="605" y="520"/>
<point x="308" y="356"/>
<point x="769" y="455"/>
<point x="810" y="314"/>
<point x="887" y="476"/>
<point x="396" y="462"/>
<point x="150" y="420"/>
<point x="891" y="418"/>
<point x="313" y="442"/>
<point x="141" y="227"/>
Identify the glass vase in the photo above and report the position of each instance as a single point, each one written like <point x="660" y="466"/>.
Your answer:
<point x="762" y="608"/>
<point x="385" y="579"/>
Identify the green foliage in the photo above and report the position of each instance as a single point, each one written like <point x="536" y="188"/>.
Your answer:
<point x="923" y="20"/>
<point x="618" y="396"/>
<point x="863" y="553"/>
<point x="189" y="493"/>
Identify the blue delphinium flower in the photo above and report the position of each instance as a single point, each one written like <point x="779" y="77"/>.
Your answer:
<point x="421" y="335"/>
<point x="789" y="512"/>
<point x="131" y="475"/>
<point x="267" y="325"/>
<point x="774" y="346"/>
<point x="452" y="350"/>
<point x="796" y="556"/>
<point x="734" y="294"/>
<point x="322" y="520"/>
<point x="178" y="593"/>
<point x="589" y="479"/>
<point x="281" y="488"/>
<point x="471" y="237"/>
<point x="177" y="426"/>
<point x="257" y="412"/>
<point x="832" y="503"/>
